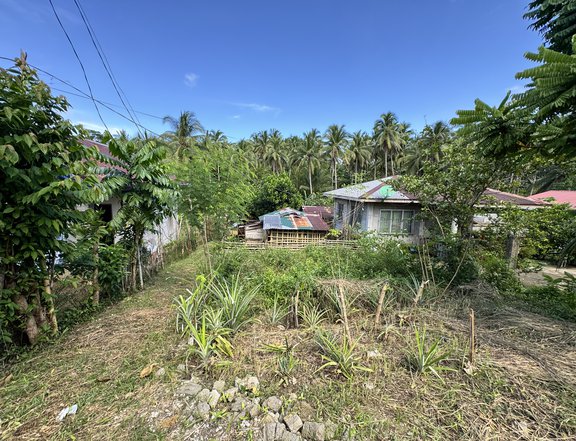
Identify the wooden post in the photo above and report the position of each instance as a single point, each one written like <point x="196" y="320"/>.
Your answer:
<point x="472" y="338"/>
<point x="344" y="313"/>
<point x="380" y="303"/>
<point x="512" y="250"/>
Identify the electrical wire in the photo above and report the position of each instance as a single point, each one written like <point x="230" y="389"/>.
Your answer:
<point x="106" y="65"/>
<point x="83" y="94"/>
<point x="79" y="61"/>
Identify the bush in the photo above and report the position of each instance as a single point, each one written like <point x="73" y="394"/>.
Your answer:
<point x="556" y="299"/>
<point x="496" y="272"/>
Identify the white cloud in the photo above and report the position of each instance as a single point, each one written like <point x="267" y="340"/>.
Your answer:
<point x="190" y="79"/>
<point x="98" y="127"/>
<point x="261" y="108"/>
<point x="236" y="117"/>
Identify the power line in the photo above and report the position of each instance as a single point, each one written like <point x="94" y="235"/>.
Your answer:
<point x="79" y="61"/>
<point x="105" y="63"/>
<point x="83" y="94"/>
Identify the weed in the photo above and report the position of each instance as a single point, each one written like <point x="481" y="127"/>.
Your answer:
<point x="312" y="316"/>
<point x="424" y="359"/>
<point x="338" y="354"/>
<point x="234" y="300"/>
<point x="277" y="313"/>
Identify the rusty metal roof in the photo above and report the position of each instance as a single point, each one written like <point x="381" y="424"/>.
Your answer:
<point x="373" y="191"/>
<point x="290" y="219"/>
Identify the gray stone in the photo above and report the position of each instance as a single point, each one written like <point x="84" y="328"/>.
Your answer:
<point x="229" y="394"/>
<point x="202" y="411"/>
<point x="305" y="411"/>
<point x="290" y="436"/>
<point x="280" y="431"/>
<point x="203" y="395"/>
<point x="254" y="410"/>
<point x="273" y="403"/>
<point x="293" y="422"/>
<point x="330" y="430"/>
<point x="160" y="372"/>
<point x="314" y="431"/>
<point x="189" y="388"/>
<point x="219" y="386"/>
<point x="238" y="405"/>
<point x="181" y="368"/>
<point x="248" y="383"/>
<point x="269" y="431"/>
<point x="270" y="418"/>
<point x="213" y="399"/>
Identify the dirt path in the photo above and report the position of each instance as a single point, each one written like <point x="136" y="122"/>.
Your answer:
<point x="97" y="366"/>
<point x="537" y="278"/>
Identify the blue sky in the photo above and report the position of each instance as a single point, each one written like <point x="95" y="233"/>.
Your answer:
<point x="245" y="66"/>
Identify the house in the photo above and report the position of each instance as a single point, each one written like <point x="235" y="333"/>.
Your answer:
<point x="377" y="206"/>
<point x="167" y="231"/>
<point x="285" y="227"/>
<point x="324" y="212"/>
<point x="558" y="197"/>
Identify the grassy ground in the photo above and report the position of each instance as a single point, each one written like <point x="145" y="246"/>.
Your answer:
<point x="523" y="386"/>
<point x="97" y="366"/>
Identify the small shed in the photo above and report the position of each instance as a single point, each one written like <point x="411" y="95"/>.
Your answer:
<point x="288" y="226"/>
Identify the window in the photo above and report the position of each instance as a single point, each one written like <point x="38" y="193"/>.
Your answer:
<point x="339" y="211"/>
<point x="396" y="221"/>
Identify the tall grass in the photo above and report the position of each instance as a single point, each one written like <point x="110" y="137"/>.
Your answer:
<point x="233" y="299"/>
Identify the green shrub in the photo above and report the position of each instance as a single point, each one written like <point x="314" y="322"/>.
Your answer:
<point x="556" y="299"/>
<point x="495" y="271"/>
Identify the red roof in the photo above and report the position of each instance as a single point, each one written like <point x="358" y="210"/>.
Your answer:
<point x="103" y="148"/>
<point x="559" y="196"/>
<point x="502" y="196"/>
<point x="320" y="210"/>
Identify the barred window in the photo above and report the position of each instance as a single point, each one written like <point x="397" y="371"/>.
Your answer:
<point x="396" y="221"/>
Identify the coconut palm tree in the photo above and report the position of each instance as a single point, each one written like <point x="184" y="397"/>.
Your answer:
<point x="387" y="136"/>
<point x="275" y="154"/>
<point x="336" y="139"/>
<point x="358" y="153"/>
<point x="308" y="154"/>
<point x="260" y="144"/>
<point x="184" y="129"/>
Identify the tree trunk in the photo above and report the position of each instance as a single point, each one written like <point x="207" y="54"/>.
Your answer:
<point x="206" y="249"/>
<point x="140" y="277"/>
<point x="310" y="179"/>
<point x="49" y="314"/>
<point x="31" y="328"/>
<point x="95" y="284"/>
<point x="386" y="163"/>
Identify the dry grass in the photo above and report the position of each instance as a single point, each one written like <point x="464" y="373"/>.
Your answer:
<point x="97" y="366"/>
<point x="523" y="387"/>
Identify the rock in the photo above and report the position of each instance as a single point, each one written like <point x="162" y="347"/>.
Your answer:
<point x="238" y="405"/>
<point x="293" y="422"/>
<point x="270" y="418"/>
<point x="202" y="411"/>
<point x="254" y="410"/>
<point x="229" y="394"/>
<point x="248" y="383"/>
<point x="274" y="431"/>
<point x="269" y="431"/>
<point x="181" y="368"/>
<point x="280" y="431"/>
<point x="290" y="436"/>
<point x="373" y="354"/>
<point x="213" y="399"/>
<point x="314" y="431"/>
<point x="273" y="403"/>
<point x="160" y="372"/>
<point x="203" y="396"/>
<point x="219" y="386"/>
<point x="293" y="397"/>
<point x="330" y="431"/>
<point x="188" y="388"/>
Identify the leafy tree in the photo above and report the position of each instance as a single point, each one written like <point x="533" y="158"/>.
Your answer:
<point x="45" y="175"/>
<point x="183" y="133"/>
<point x="556" y="21"/>
<point x="357" y="155"/>
<point x="275" y="154"/>
<point x="139" y="174"/>
<point x="336" y="140"/>
<point x="308" y="154"/>
<point x="276" y="192"/>
<point x="390" y="138"/>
